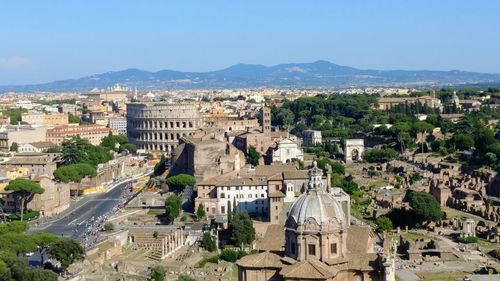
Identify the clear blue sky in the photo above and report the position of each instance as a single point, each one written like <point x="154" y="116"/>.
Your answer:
<point x="42" y="41"/>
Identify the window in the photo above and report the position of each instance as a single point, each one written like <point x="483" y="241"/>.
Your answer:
<point x="311" y="249"/>
<point x="333" y="248"/>
<point x="222" y="195"/>
<point x="223" y="209"/>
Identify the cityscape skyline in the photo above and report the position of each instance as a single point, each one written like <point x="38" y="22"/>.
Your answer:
<point x="74" y="40"/>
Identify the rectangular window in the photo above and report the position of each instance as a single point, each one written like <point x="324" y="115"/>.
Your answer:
<point x="311" y="249"/>
<point x="223" y="209"/>
<point x="333" y="248"/>
<point x="222" y="195"/>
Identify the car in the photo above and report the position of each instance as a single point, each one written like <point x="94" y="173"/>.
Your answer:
<point x="29" y="254"/>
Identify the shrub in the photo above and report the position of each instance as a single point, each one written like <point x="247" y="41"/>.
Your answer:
<point x="109" y="226"/>
<point x="467" y="240"/>
<point x="27" y="215"/>
<point x="384" y="224"/>
<point x="157" y="273"/>
<point x="205" y="260"/>
<point x="229" y="255"/>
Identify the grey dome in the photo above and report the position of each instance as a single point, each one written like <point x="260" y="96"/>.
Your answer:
<point x="317" y="204"/>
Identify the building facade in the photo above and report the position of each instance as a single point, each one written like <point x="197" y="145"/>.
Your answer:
<point x="93" y="133"/>
<point x="311" y="137"/>
<point x="320" y="244"/>
<point x="158" y="126"/>
<point x="118" y="124"/>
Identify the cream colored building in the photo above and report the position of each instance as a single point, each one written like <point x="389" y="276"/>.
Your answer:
<point x="25" y="133"/>
<point x="93" y="133"/>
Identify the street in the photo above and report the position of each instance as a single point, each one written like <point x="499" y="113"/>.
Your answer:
<point x="76" y="223"/>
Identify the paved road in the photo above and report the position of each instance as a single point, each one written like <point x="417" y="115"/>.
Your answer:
<point x="73" y="225"/>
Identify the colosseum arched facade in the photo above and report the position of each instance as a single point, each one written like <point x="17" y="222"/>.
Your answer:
<point x="158" y="126"/>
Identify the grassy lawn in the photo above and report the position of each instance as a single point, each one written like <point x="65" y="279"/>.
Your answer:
<point x="487" y="246"/>
<point x="442" y="276"/>
<point x="453" y="213"/>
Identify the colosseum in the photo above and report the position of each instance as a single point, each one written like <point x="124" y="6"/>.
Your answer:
<point x="158" y="126"/>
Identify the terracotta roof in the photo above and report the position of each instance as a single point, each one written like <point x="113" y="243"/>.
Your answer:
<point x="297" y="174"/>
<point x="30" y="159"/>
<point x="276" y="193"/>
<point x="261" y="260"/>
<point x="274" y="239"/>
<point x="308" y="269"/>
<point x="362" y="254"/>
<point x="43" y="144"/>
<point x="269" y="170"/>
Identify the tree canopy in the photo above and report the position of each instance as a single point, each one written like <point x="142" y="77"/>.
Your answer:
<point x="180" y="181"/>
<point x="241" y="228"/>
<point x="425" y="206"/>
<point x="66" y="251"/>
<point x="24" y="189"/>
<point x="379" y="155"/>
<point x="253" y="156"/>
<point x="173" y="207"/>
<point x="14" y="242"/>
<point x="74" y="172"/>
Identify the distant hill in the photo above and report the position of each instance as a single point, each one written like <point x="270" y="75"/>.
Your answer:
<point x="316" y="74"/>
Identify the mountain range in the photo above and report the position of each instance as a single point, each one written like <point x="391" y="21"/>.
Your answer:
<point x="297" y="75"/>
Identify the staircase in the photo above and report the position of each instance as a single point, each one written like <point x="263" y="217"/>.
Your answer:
<point x="155" y="254"/>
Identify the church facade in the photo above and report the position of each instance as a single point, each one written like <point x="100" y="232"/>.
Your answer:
<point x="320" y="244"/>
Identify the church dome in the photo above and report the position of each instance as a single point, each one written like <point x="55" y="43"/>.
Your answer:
<point x="316" y="204"/>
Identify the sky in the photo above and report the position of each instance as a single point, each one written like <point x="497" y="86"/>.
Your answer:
<point x="43" y="41"/>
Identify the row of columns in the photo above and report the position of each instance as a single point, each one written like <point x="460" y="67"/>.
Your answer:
<point x="155" y="136"/>
<point x="156" y="147"/>
<point x="171" y="242"/>
<point x="163" y="124"/>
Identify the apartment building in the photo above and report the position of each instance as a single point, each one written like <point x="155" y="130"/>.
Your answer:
<point x="93" y="133"/>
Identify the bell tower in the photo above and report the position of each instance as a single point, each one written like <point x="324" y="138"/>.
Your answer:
<point x="266" y="120"/>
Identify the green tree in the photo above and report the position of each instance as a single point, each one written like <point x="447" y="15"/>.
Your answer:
<point x="15" y="115"/>
<point x="253" y="156"/>
<point x="180" y="181"/>
<point x="229" y="255"/>
<point x="130" y="147"/>
<point x="200" y="213"/>
<point x="25" y="190"/>
<point x="208" y="243"/>
<point x="422" y="128"/>
<point x="157" y="273"/>
<point x="109" y="226"/>
<point x="73" y="119"/>
<point x="338" y="168"/>
<point x="173" y="207"/>
<point x="66" y="252"/>
<point x="242" y="231"/>
<point x="384" y="224"/>
<point x="425" y="206"/>
<point x="74" y="150"/>
<point x="75" y="172"/>
<point x="14" y="147"/>
<point x="377" y="155"/>
<point x="462" y="141"/>
<point x="349" y="186"/>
